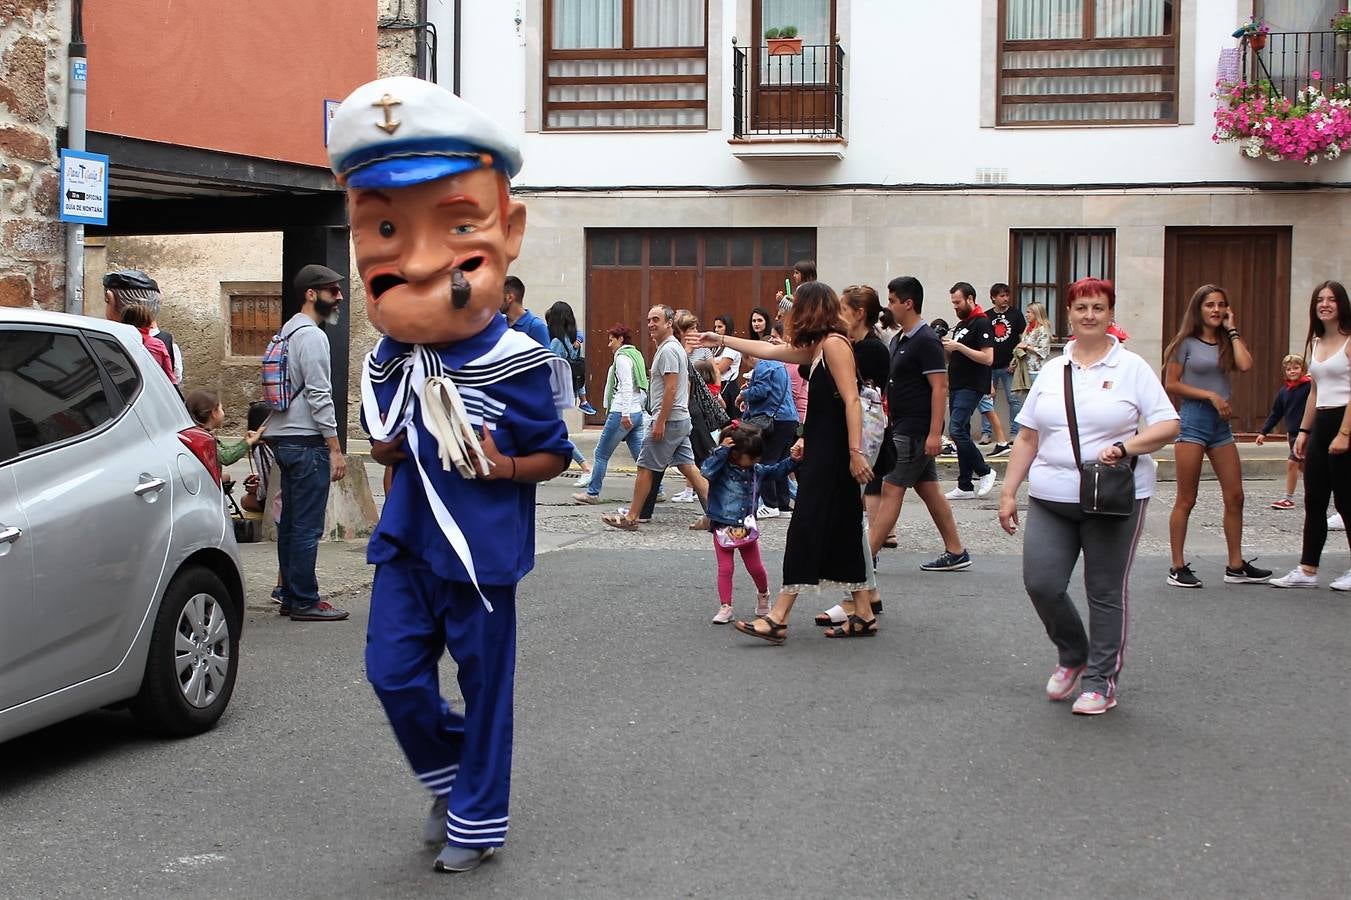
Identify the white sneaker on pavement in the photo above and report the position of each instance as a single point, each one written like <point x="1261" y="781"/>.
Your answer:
<point x="1335" y="522"/>
<point x="685" y="496"/>
<point x="986" y="484"/>
<point x="1093" y="703"/>
<point x="724" y="614"/>
<point x="959" y="494"/>
<point x="1297" y="578"/>
<point x="1343" y="583"/>
<point x="1062" y="682"/>
<point x="767" y="512"/>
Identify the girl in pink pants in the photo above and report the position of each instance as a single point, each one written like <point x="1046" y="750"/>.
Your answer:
<point x="734" y="477"/>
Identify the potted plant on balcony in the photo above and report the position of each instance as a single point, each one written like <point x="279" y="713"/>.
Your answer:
<point x="1255" y="31"/>
<point x="1268" y="124"/>
<point x="783" y="41"/>
<point x="1341" y="23"/>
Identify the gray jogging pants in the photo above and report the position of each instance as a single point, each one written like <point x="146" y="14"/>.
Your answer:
<point x="1055" y="535"/>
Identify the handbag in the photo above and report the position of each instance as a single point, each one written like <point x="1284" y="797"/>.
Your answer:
<point x="1105" y="489"/>
<point x="577" y="363"/>
<point x="874" y="423"/>
<point x="729" y="537"/>
<point x="714" y="414"/>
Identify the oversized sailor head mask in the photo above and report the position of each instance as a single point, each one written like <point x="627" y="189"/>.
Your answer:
<point x="432" y="221"/>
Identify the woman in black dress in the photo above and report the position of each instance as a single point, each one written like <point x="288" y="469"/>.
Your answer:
<point x="825" y="536"/>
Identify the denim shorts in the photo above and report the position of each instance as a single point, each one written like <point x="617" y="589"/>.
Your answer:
<point x="1201" y="424"/>
<point x="985" y="405"/>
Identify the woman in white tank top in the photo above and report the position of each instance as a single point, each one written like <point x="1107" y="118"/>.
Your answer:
<point x="1325" y="433"/>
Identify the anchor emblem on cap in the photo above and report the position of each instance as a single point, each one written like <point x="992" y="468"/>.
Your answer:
<point x="391" y="124"/>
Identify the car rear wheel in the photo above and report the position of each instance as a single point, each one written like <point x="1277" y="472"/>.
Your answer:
<point x="193" y="659"/>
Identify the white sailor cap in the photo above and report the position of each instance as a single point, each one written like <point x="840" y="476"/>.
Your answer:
<point x="397" y="132"/>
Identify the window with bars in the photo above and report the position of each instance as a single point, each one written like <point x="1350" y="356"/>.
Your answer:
<point x="625" y="64"/>
<point x="1088" y="62"/>
<point x="254" y="318"/>
<point x="1044" y="262"/>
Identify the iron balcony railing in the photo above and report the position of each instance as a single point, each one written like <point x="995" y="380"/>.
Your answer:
<point x="1289" y="61"/>
<point x="786" y="94"/>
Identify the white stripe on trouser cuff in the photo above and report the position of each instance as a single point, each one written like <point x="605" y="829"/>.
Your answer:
<point x="425" y="775"/>
<point x="458" y="830"/>
<point x="440" y="783"/>
<point x="501" y="821"/>
<point x="500" y="839"/>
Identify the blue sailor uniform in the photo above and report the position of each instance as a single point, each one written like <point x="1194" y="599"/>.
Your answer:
<point x="447" y="563"/>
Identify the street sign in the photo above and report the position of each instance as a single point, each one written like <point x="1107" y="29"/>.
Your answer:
<point x="84" y="187"/>
<point x="81" y="70"/>
<point x="330" y="110"/>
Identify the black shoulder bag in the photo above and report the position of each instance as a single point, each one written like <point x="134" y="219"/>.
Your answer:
<point x="1105" y="489"/>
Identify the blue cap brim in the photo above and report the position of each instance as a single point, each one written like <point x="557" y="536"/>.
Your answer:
<point x="406" y="171"/>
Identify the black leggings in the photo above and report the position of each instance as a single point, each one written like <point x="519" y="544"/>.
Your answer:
<point x="1325" y="475"/>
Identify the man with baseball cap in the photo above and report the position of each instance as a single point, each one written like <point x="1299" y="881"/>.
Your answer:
<point x="304" y="438"/>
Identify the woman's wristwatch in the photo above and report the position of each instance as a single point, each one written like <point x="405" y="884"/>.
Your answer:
<point x="1120" y="445"/>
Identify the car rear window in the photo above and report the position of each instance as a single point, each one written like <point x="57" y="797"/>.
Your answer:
<point x="52" y="387"/>
<point x="118" y="364"/>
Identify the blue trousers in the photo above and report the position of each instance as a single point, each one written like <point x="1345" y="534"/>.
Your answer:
<point x="305" y="480"/>
<point x="415" y="616"/>
<point x="961" y="406"/>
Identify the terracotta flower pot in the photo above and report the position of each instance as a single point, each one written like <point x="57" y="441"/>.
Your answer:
<point x="784" y="46"/>
<point x="1258" y="41"/>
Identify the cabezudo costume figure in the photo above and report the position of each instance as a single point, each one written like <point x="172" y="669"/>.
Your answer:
<point x="466" y="411"/>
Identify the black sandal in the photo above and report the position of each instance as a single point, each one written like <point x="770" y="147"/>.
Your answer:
<point x="776" y="634"/>
<point x="824" y="620"/>
<point x="855" y="627"/>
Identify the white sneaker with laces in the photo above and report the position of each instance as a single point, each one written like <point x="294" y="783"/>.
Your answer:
<point x="1062" y="682"/>
<point x="685" y="496"/>
<point x="724" y="614"/>
<point x="1343" y="583"/>
<point x="1093" y="703"/>
<point x="1297" y="578"/>
<point x="959" y="494"/>
<point x="762" y="605"/>
<point x="766" y="512"/>
<point x="986" y="484"/>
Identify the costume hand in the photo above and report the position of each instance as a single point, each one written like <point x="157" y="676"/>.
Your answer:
<point x="253" y="437"/>
<point x="1221" y="405"/>
<point x="933" y="445"/>
<point x="659" y="429"/>
<point x="1008" y="512"/>
<point x="498" y="465"/>
<point x="1301" y="443"/>
<point x="1339" y="445"/>
<point x="797" y="449"/>
<point x="387" y="453"/>
<point x="859" y="468"/>
<point x="1260" y="439"/>
<point x="337" y="464"/>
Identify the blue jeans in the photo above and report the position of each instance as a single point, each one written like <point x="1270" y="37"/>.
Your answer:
<point x="1015" y="399"/>
<point x="305" y="473"/>
<point x="961" y="406"/>
<point x="611" y="436"/>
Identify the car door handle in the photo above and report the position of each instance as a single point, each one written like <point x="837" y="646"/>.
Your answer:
<point x="145" y="487"/>
<point x="10" y="535"/>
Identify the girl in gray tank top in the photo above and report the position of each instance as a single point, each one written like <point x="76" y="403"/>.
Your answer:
<point x="1198" y="363"/>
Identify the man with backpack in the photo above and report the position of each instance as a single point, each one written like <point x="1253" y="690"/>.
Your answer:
<point x="303" y="435"/>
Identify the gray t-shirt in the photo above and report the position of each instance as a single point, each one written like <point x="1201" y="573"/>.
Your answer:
<point x="1201" y="366"/>
<point x="670" y="357"/>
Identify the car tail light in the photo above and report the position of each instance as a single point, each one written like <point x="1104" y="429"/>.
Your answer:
<point x="203" y="446"/>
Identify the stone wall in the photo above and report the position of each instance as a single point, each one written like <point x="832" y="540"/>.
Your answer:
<point x="33" y="36"/>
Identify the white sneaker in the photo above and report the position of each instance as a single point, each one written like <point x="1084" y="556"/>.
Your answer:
<point x="959" y="494"/>
<point x="724" y="614"/>
<point x="583" y="479"/>
<point x="766" y="512"/>
<point x="1093" y="703"/>
<point x="1343" y="583"/>
<point x="1062" y="682"/>
<point x="986" y="484"/>
<point x="1335" y="522"/>
<point x="1298" y="578"/>
<point x="685" y="496"/>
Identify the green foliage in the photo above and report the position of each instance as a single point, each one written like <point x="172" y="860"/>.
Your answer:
<point x="788" y="31"/>
<point x="772" y="34"/>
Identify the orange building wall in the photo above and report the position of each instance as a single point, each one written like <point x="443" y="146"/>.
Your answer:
<point x="243" y="76"/>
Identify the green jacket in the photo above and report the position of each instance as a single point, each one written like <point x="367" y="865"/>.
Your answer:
<point x="639" y="373"/>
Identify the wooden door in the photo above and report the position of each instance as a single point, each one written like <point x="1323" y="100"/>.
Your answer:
<point x="1253" y="267"/>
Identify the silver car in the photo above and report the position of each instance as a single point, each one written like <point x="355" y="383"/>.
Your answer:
<point x="119" y="575"/>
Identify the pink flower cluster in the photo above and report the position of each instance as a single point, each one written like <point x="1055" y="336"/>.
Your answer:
<point x="1268" y="124"/>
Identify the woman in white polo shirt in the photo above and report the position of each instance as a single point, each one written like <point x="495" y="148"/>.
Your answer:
<point x="1114" y="389"/>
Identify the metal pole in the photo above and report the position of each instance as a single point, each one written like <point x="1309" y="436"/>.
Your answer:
<point x="76" y="83"/>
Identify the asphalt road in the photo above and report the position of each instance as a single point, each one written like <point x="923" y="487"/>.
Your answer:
<point x="660" y="756"/>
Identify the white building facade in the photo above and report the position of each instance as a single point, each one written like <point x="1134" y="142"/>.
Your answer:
<point x="672" y="157"/>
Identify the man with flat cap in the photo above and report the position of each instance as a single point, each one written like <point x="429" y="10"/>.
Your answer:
<point x="304" y="438"/>
<point x="465" y="410"/>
